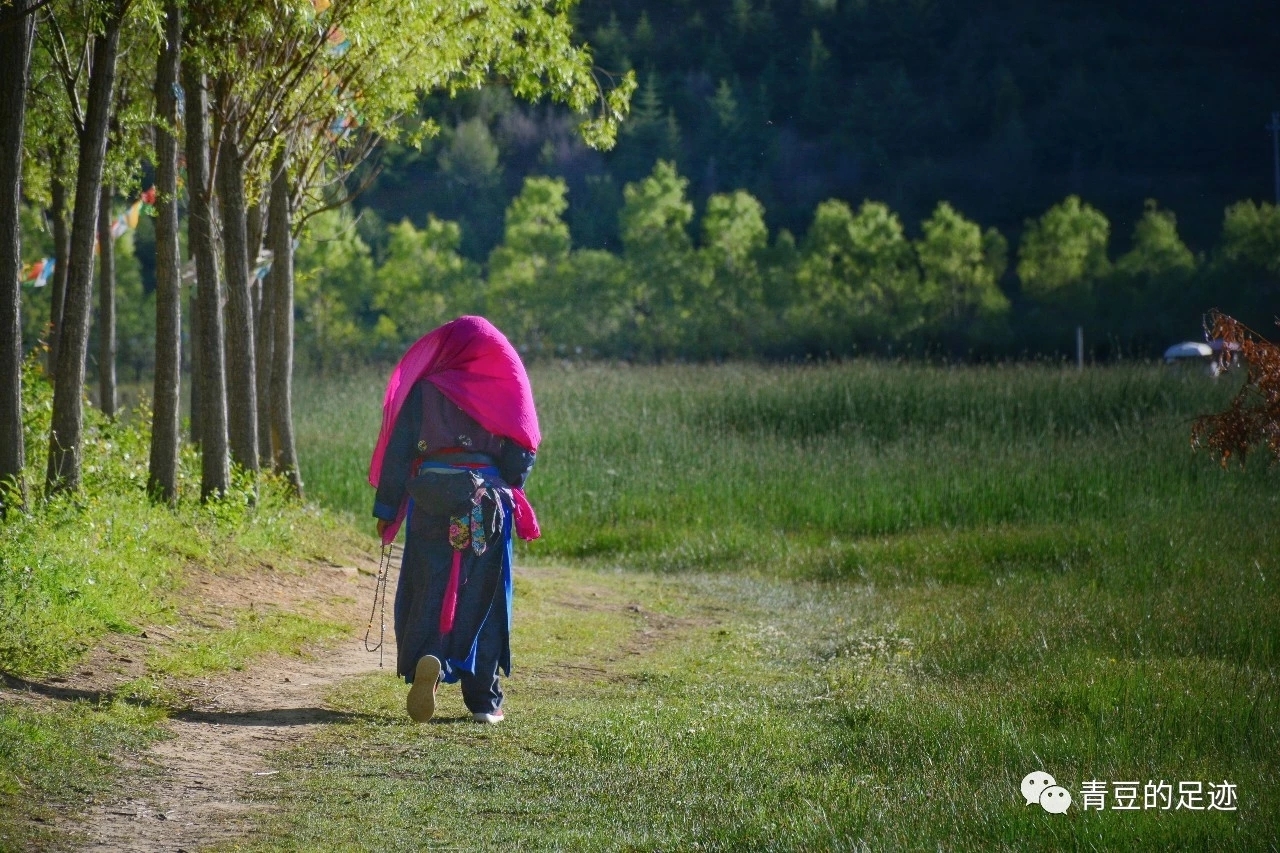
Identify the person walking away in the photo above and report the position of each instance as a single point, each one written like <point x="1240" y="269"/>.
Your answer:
<point x="458" y="439"/>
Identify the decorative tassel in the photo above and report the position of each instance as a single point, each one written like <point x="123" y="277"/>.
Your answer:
<point x="449" y="607"/>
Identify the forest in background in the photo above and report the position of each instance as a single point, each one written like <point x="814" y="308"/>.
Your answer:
<point x="972" y="180"/>
<point x="722" y="285"/>
<point x="999" y="107"/>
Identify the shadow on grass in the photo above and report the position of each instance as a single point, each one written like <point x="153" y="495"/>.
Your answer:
<point x="276" y="717"/>
<point x="265" y="717"/>
<point x="66" y="694"/>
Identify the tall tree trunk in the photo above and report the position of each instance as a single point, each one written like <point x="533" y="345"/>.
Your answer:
<point x="263" y="331"/>
<point x="61" y="257"/>
<point x="266" y="359"/>
<point x="215" y="473"/>
<point x="280" y="236"/>
<point x="162" y="476"/>
<point x="63" y="473"/>
<point x="15" y="65"/>
<point x="106" y="306"/>
<point x="196" y="422"/>
<point x="242" y="397"/>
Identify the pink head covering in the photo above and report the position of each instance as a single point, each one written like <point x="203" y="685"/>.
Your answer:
<point x="475" y="366"/>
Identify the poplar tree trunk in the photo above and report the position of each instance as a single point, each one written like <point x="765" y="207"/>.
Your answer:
<point x="61" y="260"/>
<point x="196" y="422"/>
<point x="266" y="359"/>
<point x="162" y="475"/>
<point x="63" y="473"/>
<point x="15" y="65"/>
<point x="242" y="397"/>
<point x="263" y="333"/>
<point x="255" y="222"/>
<point x="215" y="473"/>
<point x="106" y="306"/>
<point x="280" y="236"/>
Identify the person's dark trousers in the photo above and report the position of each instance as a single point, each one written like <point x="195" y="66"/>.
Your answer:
<point x="481" y="692"/>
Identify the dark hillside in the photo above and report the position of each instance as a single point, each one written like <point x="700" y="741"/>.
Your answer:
<point x="1000" y="107"/>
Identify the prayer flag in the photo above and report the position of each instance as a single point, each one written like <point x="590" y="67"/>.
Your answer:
<point x="46" y="270"/>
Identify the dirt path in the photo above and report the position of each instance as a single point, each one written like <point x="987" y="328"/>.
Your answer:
<point x="190" y="791"/>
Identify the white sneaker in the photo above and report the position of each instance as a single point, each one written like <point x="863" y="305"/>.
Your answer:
<point x="421" y="701"/>
<point x="492" y="718"/>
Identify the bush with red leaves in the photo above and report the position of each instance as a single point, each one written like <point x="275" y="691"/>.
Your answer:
<point x="1253" y="418"/>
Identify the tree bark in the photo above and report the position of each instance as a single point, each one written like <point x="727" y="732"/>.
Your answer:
<point x="15" y="66"/>
<point x="63" y="473"/>
<point x="215" y="473"/>
<point x="61" y="259"/>
<point x="266" y="359"/>
<point x="263" y="333"/>
<point x="162" y="475"/>
<point x="280" y="236"/>
<point x="196" y="422"/>
<point x="255" y="222"/>
<point x="242" y="397"/>
<point x="106" y="306"/>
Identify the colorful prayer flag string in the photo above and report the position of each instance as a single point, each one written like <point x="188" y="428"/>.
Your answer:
<point x="37" y="274"/>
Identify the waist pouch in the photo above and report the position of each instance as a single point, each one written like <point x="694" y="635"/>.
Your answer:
<point x="444" y="491"/>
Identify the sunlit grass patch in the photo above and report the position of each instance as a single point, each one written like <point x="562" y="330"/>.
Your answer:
<point x="790" y="716"/>
<point x="251" y="634"/>
<point x="740" y="466"/>
<point x="925" y="582"/>
<point x="54" y="757"/>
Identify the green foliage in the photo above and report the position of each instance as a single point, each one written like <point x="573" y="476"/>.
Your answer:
<point x="858" y="277"/>
<point x="1251" y="235"/>
<point x="730" y="317"/>
<point x="135" y="314"/>
<point x="422" y="279"/>
<point x="1158" y="251"/>
<point x="1063" y="254"/>
<point x="656" y="215"/>
<point x="958" y="276"/>
<point x="334" y="271"/>
<point x="856" y="283"/>
<point x="530" y="294"/>
<point x="662" y="270"/>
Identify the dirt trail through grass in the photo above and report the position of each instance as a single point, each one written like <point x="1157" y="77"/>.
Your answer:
<point x="192" y="791"/>
<point x="195" y="790"/>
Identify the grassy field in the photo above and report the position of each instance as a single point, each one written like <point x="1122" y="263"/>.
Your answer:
<point x="106" y="560"/>
<point x="884" y="595"/>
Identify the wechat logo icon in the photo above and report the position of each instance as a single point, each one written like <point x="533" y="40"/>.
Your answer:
<point x="1040" y="787"/>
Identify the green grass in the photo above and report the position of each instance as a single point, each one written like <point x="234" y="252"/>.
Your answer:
<point x="781" y="469"/>
<point x="891" y="592"/>
<point x="788" y="716"/>
<point x="54" y="758"/>
<point x="106" y="560"/>
<point x="252" y="634"/>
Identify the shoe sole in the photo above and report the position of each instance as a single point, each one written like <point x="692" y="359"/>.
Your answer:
<point x="421" y="701"/>
<point x="487" y="719"/>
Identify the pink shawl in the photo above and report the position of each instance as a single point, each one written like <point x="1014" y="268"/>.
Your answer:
<point x="475" y="366"/>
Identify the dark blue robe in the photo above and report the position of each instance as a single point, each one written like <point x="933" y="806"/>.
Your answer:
<point x="431" y="428"/>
